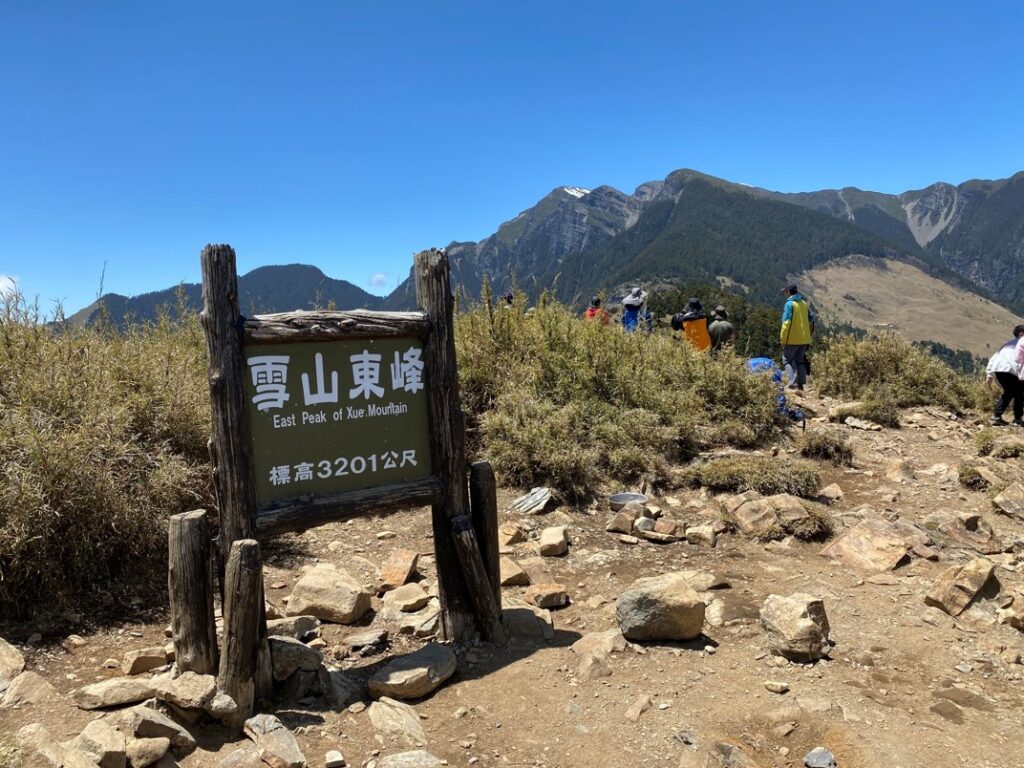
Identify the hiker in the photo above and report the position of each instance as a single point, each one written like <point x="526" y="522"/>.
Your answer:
<point x="508" y="299"/>
<point x="798" y="321"/>
<point x="720" y="330"/>
<point x="694" y="324"/>
<point x="634" y="317"/>
<point x="596" y="312"/>
<point x="1004" y="366"/>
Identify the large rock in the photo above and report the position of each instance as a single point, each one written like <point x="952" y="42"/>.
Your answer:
<point x="525" y="623"/>
<point x="769" y="516"/>
<point x="548" y="595"/>
<point x="101" y="743"/>
<point x="40" y="750"/>
<point x="971" y="530"/>
<point x="12" y="664"/>
<point x="554" y="542"/>
<point x="871" y="545"/>
<point x="143" y="722"/>
<point x="1011" y="501"/>
<point x="398" y="569"/>
<point x="409" y="598"/>
<point x="143" y="660"/>
<point x="115" y="692"/>
<point x="297" y="627"/>
<point x="188" y="690"/>
<point x="243" y="757"/>
<point x="511" y="574"/>
<point x="27" y="688"/>
<point x="797" y="626"/>
<point x="395" y="720"/>
<point x="415" y="675"/>
<point x="660" y="608"/>
<point x="143" y="753"/>
<point x="329" y="595"/>
<point x="276" y="744"/>
<point x="288" y="655"/>
<point x="417" y="759"/>
<point x="957" y="587"/>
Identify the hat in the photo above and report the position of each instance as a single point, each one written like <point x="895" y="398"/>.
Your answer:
<point x="596" y="301"/>
<point x="720" y="311"/>
<point x="1018" y="330"/>
<point x="791" y="288"/>
<point x="694" y="305"/>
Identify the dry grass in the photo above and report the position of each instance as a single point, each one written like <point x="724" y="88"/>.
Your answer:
<point x="826" y="446"/>
<point x="970" y="478"/>
<point x="766" y="475"/>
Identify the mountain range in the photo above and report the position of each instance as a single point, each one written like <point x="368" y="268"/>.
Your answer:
<point x="689" y="227"/>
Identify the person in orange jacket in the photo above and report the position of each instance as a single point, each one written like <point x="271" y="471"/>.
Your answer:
<point x="596" y="312"/>
<point x="694" y="324"/>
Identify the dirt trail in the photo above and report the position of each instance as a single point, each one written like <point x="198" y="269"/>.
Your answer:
<point x="870" y="703"/>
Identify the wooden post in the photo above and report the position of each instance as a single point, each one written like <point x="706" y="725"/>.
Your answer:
<point x="488" y="610"/>
<point x="231" y="443"/>
<point x="447" y="435"/>
<point x="483" y="503"/>
<point x="190" y="587"/>
<point x="243" y="594"/>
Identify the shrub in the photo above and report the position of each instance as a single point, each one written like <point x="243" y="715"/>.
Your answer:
<point x="855" y="368"/>
<point x="766" y="475"/>
<point x="817" y="526"/>
<point x="971" y="478"/>
<point x="985" y="441"/>
<point x="554" y="400"/>
<point x="102" y="436"/>
<point x="826" y="446"/>
<point x="1010" y="449"/>
<point x="880" y="411"/>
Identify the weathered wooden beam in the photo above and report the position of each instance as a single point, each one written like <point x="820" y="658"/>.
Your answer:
<point x="310" y="511"/>
<point x="483" y="503"/>
<point x="190" y="588"/>
<point x="282" y="327"/>
<point x="243" y="595"/>
<point x="488" y="610"/>
<point x="232" y="445"/>
<point x="447" y="436"/>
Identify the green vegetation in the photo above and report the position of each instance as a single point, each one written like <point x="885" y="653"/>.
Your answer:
<point x="826" y="446"/>
<point x="985" y="441"/>
<point x="877" y="409"/>
<point x="555" y="400"/>
<point x="1011" y="449"/>
<point x="970" y="478"/>
<point x="764" y="474"/>
<point x="102" y="436"/>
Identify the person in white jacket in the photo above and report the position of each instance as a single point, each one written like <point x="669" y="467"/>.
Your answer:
<point x="1005" y="366"/>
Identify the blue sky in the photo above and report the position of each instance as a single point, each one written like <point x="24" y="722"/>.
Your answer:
<point x="350" y="135"/>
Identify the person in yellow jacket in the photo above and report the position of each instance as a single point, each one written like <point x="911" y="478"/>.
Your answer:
<point x="694" y="324"/>
<point x="798" y="321"/>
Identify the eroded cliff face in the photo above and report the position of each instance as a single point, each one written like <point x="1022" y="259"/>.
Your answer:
<point x="932" y="211"/>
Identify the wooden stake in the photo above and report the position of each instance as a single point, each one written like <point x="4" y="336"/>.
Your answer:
<point x="243" y="594"/>
<point x="447" y="435"/>
<point x="483" y="503"/>
<point x="190" y="587"/>
<point x="488" y="610"/>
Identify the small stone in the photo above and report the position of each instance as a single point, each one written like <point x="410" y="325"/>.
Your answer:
<point x="12" y="663"/>
<point x="417" y="759"/>
<point x="415" y="675"/>
<point x="143" y="660"/>
<point x="831" y="493"/>
<point x="101" y="743"/>
<point x="394" y="719"/>
<point x="384" y="535"/>
<point x="144" y="722"/>
<point x="74" y="641"/>
<point x="188" y="690"/>
<point x="398" y="569"/>
<point x="554" y="542"/>
<point x="111" y="664"/>
<point x="372" y="640"/>
<point x="819" y="757"/>
<point x="957" y="587"/>
<point x="511" y="574"/>
<point x="329" y="595"/>
<point x="548" y="595"/>
<point x="626" y="539"/>
<point x="797" y="626"/>
<point x="702" y="534"/>
<point x="334" y="759"/>
<point x="774" y="686"/>
<point x="142" y="753"/>
<point x="509" y="534"/>
<point x="296" y="627"/>
<point x="277" y="744"/>
<point x="637" y="708"/>
<point x="409" y="598"/>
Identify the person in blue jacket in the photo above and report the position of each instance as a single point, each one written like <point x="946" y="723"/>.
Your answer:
<point x="634" y="317"/>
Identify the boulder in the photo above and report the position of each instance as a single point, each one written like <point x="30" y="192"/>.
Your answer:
<point x="329" y="595"/>
<point x="276" y="744"/>
<point x="27" y="688"/>
<point x="1011" y="501"/>
<point x="422" y="623"/>
<point x="660" y="608"/>
<point x="702" y="534"/>
<point x="418" y="759"/>
<point x="768" y="516"/>
<point x="12" y="663"/>
<point x="143" y="722"/>
<point x="40" y="750"/>
<point x="101" y="743"/>
<point x="971" y="530"/>
<point x="188" y="690"/>
<point x="957" y="587"/>
<point x="243" y="757"/>
<point x="871" y="545"/>
<point x="415" y="675"/>
<point x="511" y="574"/>
<point x="831" y="493"/>
<point x="797" y="627"/>
<point x="142" y="753"/>
<point x="143" y="660"/>
<point x="409" y="598"/>
<point x="297" y="627"/>
<point x="288" y="655"/>
<point x="554" y="542"/>
<point x="395" y="720"/>
<point x="397" y="569"/>
<point x="549" y="595"/>
<point x="115" y="692"/>
<point x="525" y="623"/>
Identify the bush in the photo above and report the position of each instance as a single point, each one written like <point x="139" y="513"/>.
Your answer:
<point x="102" y="436"/>
<point x="826" y="446"/>
<point x="880" y="411"/>
<point x="554" y="400"/>
<point x="1011" y="449"/>
<point x="767" y="476"/>
<point x="970" y="478"/>
<point x="985" y="441"/>
<point x="857" y="368"/>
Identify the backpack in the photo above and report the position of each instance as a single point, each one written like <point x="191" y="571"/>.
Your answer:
<point x="677" y="321"/>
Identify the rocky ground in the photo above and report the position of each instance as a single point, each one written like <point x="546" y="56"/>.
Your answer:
<point x="897" y="643"/>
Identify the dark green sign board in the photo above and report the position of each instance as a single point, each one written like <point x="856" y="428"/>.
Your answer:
<point x="334" y="416"/>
